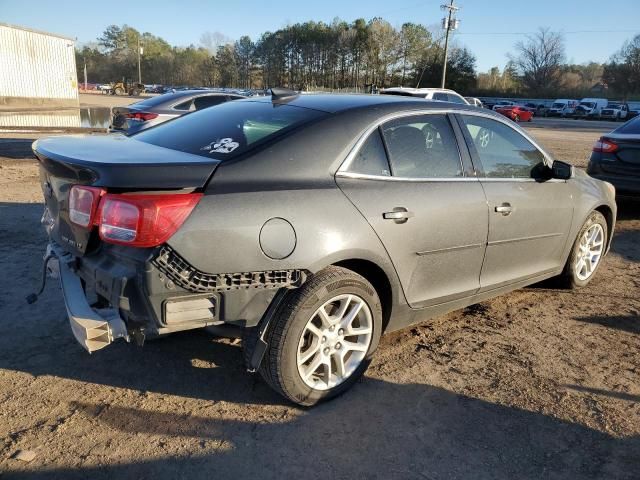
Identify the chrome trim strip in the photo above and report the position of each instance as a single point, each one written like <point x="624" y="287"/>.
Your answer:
<point x="450" y="249"/>
<point x="524" y="239"/>
<point x="408" y="113"/>
<point x="363" y="176"/>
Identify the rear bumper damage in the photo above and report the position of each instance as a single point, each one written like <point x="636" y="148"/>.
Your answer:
<point x="93" y="328"/>
<point x="129" y="293"/>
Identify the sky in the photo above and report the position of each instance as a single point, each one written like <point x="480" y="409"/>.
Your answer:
<point x="593" y="29"/>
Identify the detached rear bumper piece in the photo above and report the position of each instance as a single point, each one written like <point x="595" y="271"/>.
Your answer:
<point x="93" y="328"/>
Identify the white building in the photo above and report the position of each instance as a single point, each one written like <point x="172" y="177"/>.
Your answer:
<point x="37" y="69"/>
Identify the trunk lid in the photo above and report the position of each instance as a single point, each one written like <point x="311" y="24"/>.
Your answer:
<point x="627" y="157"/>
<point x="114" y="162"/>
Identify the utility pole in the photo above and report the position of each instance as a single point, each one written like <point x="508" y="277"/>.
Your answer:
<point x="139" y="54"/>
<point x="449" y="23"/>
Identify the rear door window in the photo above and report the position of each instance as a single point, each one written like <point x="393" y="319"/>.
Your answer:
<point x="208" y="101"/>
<point x="186" y="105"/>
<point x="422" y="146"/>
<point x="230" y="129"/>
<point x="371" y="158"/>
<point x="443" y="97"/>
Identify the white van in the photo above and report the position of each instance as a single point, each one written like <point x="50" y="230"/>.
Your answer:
<point x="590" y="108"/>
<point x="562" y="108"/>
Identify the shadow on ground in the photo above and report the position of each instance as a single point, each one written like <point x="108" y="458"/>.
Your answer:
<point x="17" y="148"/>
<point x="378" y="430"/>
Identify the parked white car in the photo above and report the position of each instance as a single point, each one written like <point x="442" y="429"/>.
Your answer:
<point x="439" y="94"/>
<point x="615" y="111"/>
<point x="503" y="103"/>
<point x="590" y="108"/>
<point x="476" y="102"/>
<point x="562" y="107"/>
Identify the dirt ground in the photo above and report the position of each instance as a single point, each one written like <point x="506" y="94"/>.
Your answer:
<point x="539" y="383"/>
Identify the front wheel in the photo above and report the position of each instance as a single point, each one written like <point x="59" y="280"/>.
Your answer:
<point x="587" y="252"/>
<point x="323" y="337"/>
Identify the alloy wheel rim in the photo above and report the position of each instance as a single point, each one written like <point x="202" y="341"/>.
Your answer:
<point x="334" y="341"/>
<point x="589" y="251"/>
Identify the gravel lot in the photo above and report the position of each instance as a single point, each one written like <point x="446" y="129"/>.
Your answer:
<point x="536" y="384"/>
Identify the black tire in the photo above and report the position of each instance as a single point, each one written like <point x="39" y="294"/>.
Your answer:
<point x="516" y="118"/>
<point x="568" y="278"/>
<point x="118" y="91"/>
<point x="279" y="367"/>
<point x="135" y="92"/>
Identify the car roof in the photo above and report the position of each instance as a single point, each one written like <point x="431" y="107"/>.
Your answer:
<point x="418" y="91"/>
<point x="339" y="102"/>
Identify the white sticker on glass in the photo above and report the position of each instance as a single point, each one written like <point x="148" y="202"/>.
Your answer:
<point x="224" y="145"/>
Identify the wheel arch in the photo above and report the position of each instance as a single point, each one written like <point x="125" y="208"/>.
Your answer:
<point x="378" y="278"/>
<point x="607" y="212"/>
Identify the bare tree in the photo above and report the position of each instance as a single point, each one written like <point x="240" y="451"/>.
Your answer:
<point x="212" y="40"/>
<point x="538" y="60"/>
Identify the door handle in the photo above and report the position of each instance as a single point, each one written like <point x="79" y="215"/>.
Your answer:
<point x="505" y="209"/>
<point x="398" y="215"/>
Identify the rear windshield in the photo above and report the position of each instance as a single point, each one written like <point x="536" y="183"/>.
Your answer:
<point x="632" y="126"/>
<point x="228" y="130"/>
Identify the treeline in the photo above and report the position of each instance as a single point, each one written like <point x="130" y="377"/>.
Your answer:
<point x="353" y="57"/>
<point x="310" y="55"/>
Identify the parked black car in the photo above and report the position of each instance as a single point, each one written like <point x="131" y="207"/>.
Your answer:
<point x="616" y="158"/>
<point x="155" y="110"/>
<point x="310" y="225"/>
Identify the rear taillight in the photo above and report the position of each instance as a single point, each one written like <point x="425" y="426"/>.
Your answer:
<point x="141" y="116"/>
<point x="143" y="220"/>
<point x="83" y="205"/>
<point x="604" y="145"/>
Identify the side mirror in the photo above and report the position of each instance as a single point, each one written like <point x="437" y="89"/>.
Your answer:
<point x="561" y="170"/>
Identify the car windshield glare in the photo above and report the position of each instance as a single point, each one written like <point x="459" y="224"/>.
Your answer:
<point x="228" y="130"/>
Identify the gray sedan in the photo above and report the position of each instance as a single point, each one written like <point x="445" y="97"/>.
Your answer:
<point x="155" y="110"/>
<point x="309" y="225"/>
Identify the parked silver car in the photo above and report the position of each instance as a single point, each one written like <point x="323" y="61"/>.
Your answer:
<point x="310" y="225"/>
<point x="154" y="110"/>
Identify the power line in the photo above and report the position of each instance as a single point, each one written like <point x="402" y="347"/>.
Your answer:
<point x="571" y="32"/>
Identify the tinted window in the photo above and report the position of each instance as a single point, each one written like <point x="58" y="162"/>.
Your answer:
<point x="443" y="97"/>
<point x="371" y="158"/>
<point x="188" y="105"/>
<point x="455" y="98"/>
<point x="422" y="147"/>
<point x="503" y="152"/>
<point x="632" y="126"/>
<point x="229" y="129"/>
<point x="208" y="101"/>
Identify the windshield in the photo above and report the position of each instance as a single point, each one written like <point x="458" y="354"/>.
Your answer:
<point x="228" y="130"/>
<point x="588" y="104"/>
<point x="613" y="105"/>
<point x="558" y="105"/>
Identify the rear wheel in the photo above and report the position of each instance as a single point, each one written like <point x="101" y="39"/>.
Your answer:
<point x="323" y="337"/>
<point x="587" y="252"/>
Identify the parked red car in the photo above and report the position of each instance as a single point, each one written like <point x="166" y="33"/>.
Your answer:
<point x="516" y="113"/>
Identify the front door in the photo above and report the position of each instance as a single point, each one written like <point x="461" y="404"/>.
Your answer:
<point x="529" y="219"/>
<point x="430" y="217"/>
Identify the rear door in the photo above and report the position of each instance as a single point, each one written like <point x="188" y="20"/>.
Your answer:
<point x="529" y="219"/>
<point x="428" y="212"/>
